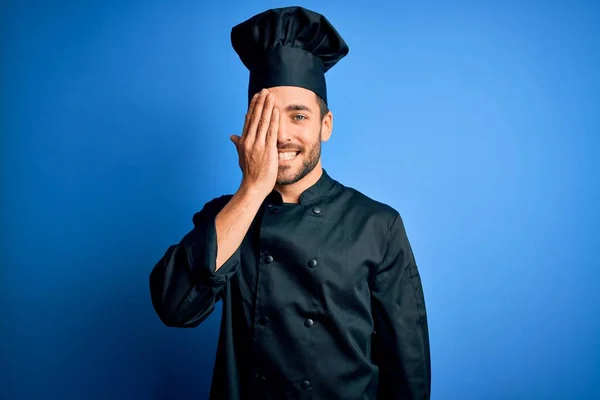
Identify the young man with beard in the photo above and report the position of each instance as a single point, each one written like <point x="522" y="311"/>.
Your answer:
<point x="321" y="295"/>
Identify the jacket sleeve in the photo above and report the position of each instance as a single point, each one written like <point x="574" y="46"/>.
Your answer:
<point x="401" y="340"/>
<point x="184" y="284"/>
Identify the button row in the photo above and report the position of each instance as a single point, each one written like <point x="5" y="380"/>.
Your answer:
<point x="311" y="263"/>
<point x="316" y="210"/>
<point x="263" y="320"/>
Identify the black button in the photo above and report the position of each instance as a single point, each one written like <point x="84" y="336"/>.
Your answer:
<point x="260" y="377"/>
<point x="305" y="384"/>
<point x="263" y="320"/>
<point x="312" y="263"/>
<point x="309" y="322"/>
<point x="317" y="210"/>
<point x="269" y="259"/>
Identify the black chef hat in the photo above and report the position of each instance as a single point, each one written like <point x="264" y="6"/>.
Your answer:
<point x="289" y="46"/>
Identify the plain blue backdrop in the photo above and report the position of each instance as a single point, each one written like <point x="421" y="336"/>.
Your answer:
<point x="478" y="121"/>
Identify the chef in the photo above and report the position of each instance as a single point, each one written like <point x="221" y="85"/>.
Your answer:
<point x="321" y="295"/>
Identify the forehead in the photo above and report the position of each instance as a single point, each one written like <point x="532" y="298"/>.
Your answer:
<point x="285" y="95"/>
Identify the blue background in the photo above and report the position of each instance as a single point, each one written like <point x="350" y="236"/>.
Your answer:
<point x="478" y="121"/>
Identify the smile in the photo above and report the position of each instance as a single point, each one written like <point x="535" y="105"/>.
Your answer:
<point x="288" y="155"/>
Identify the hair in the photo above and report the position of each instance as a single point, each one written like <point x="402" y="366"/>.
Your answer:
<point x="322" y="105"/>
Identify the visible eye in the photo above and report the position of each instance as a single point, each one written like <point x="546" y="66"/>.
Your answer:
<point x="299" y="117"/>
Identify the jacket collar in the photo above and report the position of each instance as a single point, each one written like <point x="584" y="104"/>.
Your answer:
<point x="315" y="192"/>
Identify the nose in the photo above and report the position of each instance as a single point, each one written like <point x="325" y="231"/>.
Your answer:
<point x="283" y="134"/>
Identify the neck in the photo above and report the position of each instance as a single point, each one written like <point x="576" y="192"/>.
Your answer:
<point x="291" y="193"/>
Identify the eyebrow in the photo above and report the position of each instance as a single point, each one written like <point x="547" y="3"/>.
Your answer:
<point x="298" y="107"/>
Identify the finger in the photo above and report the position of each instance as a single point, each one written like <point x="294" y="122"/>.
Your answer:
<point x="249" y="113"/>
<point x="265" y="120"/>
<point x="273" y="129"/>
<point x="255" y="118"/>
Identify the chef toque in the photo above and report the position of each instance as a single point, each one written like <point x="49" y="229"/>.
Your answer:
<point x="289" y="46"/>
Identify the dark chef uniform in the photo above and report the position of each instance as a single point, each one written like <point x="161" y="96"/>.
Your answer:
<point x="322" y="300"/>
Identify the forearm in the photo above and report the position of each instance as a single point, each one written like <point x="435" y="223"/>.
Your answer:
<point x="234" y="220"/>
<point x="403" y="359"/>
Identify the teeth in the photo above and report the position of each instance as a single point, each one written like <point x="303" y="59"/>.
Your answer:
<point x="287" y="156"/>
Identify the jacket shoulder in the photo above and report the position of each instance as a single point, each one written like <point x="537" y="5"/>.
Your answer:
<point x="362" y="203"/>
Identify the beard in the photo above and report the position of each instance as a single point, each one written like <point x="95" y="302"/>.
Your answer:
<point x="290" y="174"/>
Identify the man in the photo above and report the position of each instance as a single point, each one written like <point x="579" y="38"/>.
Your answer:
<point x="321" y="295"/>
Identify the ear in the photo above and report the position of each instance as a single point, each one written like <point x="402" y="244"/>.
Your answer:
<point x="326" y="126"/>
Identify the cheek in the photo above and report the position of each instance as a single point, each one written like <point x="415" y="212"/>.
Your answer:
<point x="305" y="135"/>
<point x="311" y="132"/>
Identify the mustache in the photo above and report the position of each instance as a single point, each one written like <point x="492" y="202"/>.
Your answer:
<point x="288" y="148"/>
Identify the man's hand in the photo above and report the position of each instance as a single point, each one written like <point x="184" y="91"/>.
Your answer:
<point x="257" y="148"/>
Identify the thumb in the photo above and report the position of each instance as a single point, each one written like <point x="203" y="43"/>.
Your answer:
<point x="235" y="139"/>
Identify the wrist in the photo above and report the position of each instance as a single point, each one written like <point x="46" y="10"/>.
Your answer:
<point x="251" y="193"/>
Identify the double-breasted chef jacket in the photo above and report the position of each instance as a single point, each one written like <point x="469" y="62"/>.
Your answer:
<point x="322" y="299"/>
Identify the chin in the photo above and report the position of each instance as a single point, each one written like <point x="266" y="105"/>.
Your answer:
<point x="287" y="178"/>
<point x="292" y="174"/>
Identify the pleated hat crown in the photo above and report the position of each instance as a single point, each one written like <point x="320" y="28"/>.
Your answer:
<point x="289" y="46"/>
